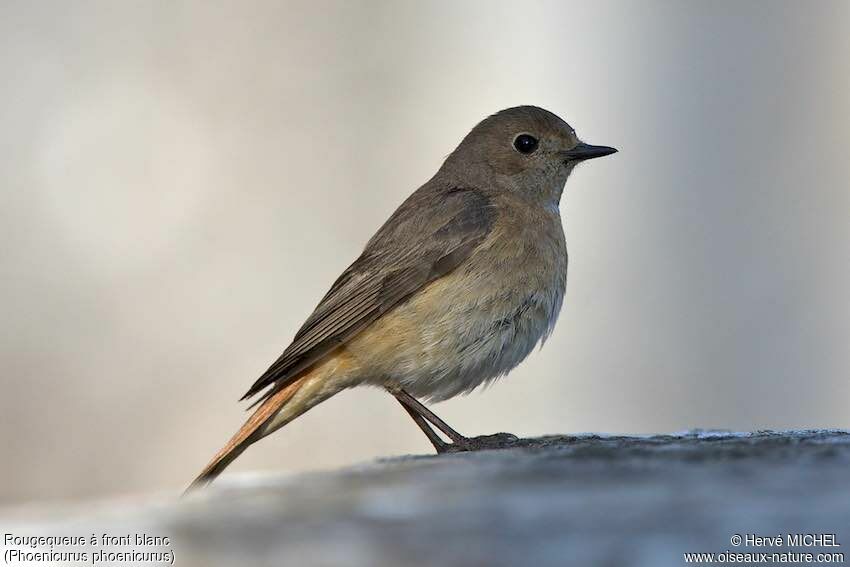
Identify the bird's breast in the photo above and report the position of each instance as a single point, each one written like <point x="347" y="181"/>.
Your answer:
<point x="479" y="321"/>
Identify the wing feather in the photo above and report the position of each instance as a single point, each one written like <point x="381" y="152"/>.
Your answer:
<point x="429" y="235"/>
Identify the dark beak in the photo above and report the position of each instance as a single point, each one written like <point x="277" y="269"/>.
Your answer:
<point x="584" y="151"/>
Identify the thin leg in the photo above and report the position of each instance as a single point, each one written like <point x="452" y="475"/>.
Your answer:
<point x="415" y="405"/>
<point x="439" y="445"/>
<point x="422" y="415"/>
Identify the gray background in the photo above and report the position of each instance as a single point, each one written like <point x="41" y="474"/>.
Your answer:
<point x="181" y="182"/>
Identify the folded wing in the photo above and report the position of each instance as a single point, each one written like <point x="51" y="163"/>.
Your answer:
<point x="430" y="235"/>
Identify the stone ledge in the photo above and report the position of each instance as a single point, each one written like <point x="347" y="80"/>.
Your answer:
<point x="557" y="500"/>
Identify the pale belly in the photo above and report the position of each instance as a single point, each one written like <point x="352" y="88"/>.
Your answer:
<point x="467" y="328"/>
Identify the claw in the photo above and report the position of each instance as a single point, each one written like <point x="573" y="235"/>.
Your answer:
<point x="481" y="443"/>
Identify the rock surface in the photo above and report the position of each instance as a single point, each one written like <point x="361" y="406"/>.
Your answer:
<point x="560" y="500"/>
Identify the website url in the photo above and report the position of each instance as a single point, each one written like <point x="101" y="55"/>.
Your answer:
<point x="784" y="557"/>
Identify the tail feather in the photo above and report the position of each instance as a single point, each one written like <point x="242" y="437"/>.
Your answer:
<point x="250" y="432"/>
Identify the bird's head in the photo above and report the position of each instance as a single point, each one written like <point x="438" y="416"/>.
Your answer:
<point x="526" y="149"/>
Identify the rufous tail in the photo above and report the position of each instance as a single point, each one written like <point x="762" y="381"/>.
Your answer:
<point x="253" y="430"/>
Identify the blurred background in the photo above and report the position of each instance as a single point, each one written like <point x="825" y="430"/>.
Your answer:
<point x="182" y="181"/>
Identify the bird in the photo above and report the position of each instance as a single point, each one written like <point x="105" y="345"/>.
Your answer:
<point x="455" y="289"/>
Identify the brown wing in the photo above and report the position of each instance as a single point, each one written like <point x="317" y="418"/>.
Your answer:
<point x="429" y="235"/>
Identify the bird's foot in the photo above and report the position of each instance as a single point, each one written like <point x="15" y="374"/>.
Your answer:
<point x="480" y="443"/>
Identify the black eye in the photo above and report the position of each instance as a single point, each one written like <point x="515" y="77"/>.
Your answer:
<point x="525" y="144"/>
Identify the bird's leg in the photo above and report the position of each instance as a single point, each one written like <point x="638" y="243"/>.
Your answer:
<point x="439" y="445"/>
<point x="415" y="406"/>
<point x="422" y="415"/>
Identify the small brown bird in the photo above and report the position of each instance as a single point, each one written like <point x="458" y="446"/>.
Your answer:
<point x="455" y="290"/>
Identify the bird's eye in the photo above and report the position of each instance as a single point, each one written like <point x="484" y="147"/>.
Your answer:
<point x="525" y="143"/>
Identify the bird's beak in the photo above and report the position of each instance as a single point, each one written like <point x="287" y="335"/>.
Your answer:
<point x="584" y="151"/>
